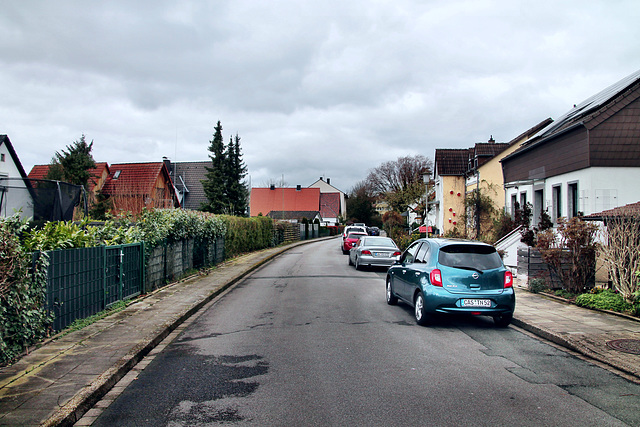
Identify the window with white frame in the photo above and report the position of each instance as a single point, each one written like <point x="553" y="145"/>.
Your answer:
<point x="538" y="205"/>
<point x="523" y="199"/>
<point x="557" y="202"/>
<point x="572" y="199"/>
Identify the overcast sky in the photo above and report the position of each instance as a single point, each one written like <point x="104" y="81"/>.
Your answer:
<point x="313" y="88"/>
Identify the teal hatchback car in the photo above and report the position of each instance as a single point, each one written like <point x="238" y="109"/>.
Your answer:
<point x="452" y="276"/>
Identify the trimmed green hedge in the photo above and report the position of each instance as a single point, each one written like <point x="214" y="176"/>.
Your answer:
<point x="246" y="234"/>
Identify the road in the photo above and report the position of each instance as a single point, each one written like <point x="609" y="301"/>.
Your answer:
<point x="308" y="340"/>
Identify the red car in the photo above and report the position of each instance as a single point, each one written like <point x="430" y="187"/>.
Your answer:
<point x="347" y="242"/>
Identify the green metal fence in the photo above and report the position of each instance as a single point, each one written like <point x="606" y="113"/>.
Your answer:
<point x="83" y="282"/>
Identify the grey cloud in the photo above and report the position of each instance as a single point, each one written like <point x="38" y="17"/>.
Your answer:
<point x="335" y="81"/>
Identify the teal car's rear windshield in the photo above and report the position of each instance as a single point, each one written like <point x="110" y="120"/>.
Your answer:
<point x="474" y="256"/>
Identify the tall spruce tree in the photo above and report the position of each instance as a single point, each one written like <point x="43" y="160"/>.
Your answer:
<point x="237" y="171"/>
<point x="215" y="184"/>
<point x="74" y="165"/>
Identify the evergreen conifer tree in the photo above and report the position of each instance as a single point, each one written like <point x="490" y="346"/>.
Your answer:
<point x="215" y="185"/>
<point x="237" y="190"/>
<point x="74" y="165"/>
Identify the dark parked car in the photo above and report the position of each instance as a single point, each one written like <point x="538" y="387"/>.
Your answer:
<point x="350" y="240"/>
<point x="452" y="276"/>
<point x="373" y="231"/>
<point x="374" y="251"/>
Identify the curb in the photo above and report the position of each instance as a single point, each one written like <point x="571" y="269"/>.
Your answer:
<point x="84" y="400"/>
<point x="557" y="339"/>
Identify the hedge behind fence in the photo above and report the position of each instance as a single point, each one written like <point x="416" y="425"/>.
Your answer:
<point x="246" y="234"/>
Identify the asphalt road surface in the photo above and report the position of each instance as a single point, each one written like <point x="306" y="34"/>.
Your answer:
<point x="309" y="341"/>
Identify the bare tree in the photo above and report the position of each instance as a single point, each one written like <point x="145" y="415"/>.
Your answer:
<point x="621" y="251"/>
<point x="275" y="182"/>
<point x="570" y="253"/>
<point x="400" y="181"/>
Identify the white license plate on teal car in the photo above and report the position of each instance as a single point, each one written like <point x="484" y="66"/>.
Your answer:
<point x="476" y="303"/>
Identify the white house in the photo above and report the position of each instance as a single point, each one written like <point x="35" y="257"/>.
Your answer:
<point x="15" y="192"/>
<point x="333" y="204"/>
<point x="586" y="161"/>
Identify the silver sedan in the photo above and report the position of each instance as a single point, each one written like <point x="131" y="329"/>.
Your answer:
<point x="374" y="251"/>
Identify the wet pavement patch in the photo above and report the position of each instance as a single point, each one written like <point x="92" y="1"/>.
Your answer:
<point x="181" y="388"/>
<point x="625" y="345"/>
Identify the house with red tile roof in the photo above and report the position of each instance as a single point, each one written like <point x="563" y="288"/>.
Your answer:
<point x="265" y="200"/>
<point x="99" y="175"/>
<point x="333" y="205"/>
<point x="295" y="216"/>
<point x="131" y="187"/>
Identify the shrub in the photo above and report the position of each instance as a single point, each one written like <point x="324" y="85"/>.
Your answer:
<point x="393" y="224"/>
<point x="622" y="252"/>
<point x="403" y="241"/>
<point x="23" y="317"/>
<point x="604" y="300"/>
<point x="574" y="245"/>
<point x="564" y="294"/>
<point x="537" y="285"/>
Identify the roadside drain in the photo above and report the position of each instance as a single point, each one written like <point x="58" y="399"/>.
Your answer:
<point x="625" y="345"/>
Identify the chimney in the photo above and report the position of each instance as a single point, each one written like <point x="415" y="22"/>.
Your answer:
<point x="329" y="181"/>
<point x="491" y="140"/>
<point x="298" y="187"/>
<point x="272" y="187"/>
<point x="167" y="164"/>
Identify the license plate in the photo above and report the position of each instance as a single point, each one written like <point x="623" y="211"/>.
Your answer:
<point x="381" y="254"/>
<point x="476" y="303"/>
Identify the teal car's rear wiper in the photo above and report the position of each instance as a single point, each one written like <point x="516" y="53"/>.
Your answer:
<point x="467" y="268"/>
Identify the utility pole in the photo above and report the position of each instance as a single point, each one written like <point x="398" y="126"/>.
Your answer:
<point x="477" y="204"/>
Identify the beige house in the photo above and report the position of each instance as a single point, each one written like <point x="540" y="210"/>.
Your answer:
<point x="459" y="172"/>
<point x="485" y="166"/>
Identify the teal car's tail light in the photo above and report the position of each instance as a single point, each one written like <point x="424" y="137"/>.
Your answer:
<point x="436" y="277"/>
<point x="508" y="279"/>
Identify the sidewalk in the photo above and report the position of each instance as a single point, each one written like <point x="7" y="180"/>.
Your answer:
<point x="57" y="383"/>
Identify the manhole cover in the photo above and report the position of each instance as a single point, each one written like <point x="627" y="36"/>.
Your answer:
<point x="626" y="345"/>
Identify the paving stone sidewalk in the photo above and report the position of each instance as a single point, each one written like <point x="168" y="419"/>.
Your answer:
<point x="60" y="381"/>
